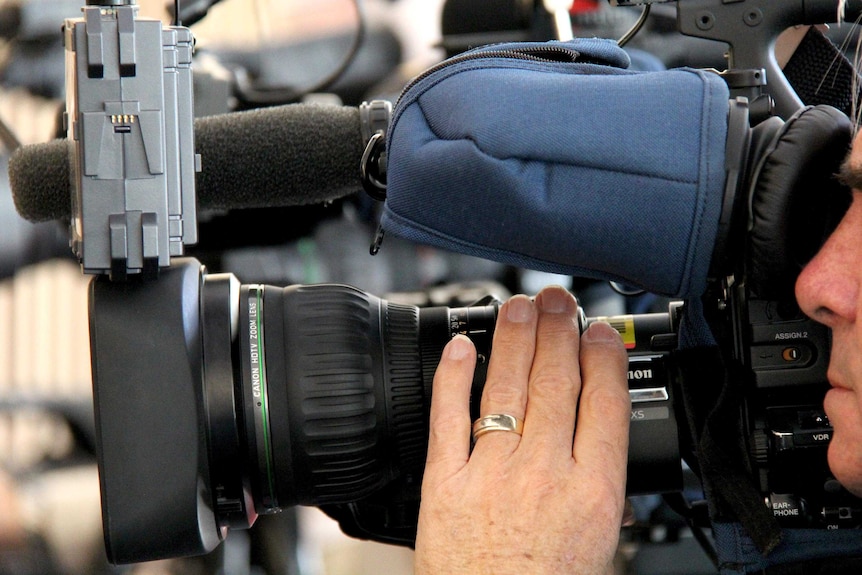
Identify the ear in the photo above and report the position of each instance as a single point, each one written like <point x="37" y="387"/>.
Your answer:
<point x="796" y="200"/>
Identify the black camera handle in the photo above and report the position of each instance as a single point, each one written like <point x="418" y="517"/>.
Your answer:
<point x="751" y="29"/>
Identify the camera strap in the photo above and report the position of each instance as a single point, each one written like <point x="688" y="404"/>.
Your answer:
<point x="801" y="551"/>
<point x="713" y="411"/>
<point x="712" y="407"/>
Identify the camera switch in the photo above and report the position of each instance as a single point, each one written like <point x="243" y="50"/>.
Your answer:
<point x="791" y="354"/>
<point x="781" y="356"/>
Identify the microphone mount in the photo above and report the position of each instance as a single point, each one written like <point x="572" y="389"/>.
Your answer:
<point x="374" y="118"/>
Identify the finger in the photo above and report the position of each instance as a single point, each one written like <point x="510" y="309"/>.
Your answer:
<point x="509" y="368"/>
<point x="555" y="376"/>
<point x="629" y="517"/>
<point x="449" y="437"/>
<point x="602" y="436"/>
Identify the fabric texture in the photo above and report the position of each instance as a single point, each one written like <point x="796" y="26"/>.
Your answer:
<point x="575" y="166"/>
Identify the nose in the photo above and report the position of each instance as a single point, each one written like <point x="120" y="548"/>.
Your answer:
<point x="828" y="287"/>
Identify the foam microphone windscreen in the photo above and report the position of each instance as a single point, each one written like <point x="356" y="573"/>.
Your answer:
<point x="288" y="155"/>
<point x="291" y="155"/>
<point x="39" y="175"/>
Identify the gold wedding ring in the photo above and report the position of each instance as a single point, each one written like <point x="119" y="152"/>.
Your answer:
<point x="497" y="422"/>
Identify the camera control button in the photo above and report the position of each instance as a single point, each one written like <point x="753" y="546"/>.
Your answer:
<point x="840" y="517"/>
<point x="813" y="419"/>
<point x="788" y="509"/>
<point x="832" y="486"/>
<point x="791" y="354"/>
<point x="781" y="356"/>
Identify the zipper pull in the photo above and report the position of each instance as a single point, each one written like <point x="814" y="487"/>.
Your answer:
<point x="377" y="241"/>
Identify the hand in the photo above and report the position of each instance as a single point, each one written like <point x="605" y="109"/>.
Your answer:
<point x="542" y="502"/>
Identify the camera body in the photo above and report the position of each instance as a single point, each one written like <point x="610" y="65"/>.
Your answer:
<point x="217" y="402"/>
<point x="313" y="395"/>
<point x="788" y="430"/>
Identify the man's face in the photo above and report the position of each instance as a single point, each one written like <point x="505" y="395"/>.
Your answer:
<point x="828" y="291"/>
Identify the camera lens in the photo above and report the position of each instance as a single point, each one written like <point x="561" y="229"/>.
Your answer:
<point x="216" y="402"/>
<point x="331" y="388"/>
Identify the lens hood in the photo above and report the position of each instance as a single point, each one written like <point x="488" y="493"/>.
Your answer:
<point x="154" y="471"/>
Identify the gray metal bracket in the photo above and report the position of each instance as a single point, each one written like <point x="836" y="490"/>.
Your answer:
<point x="130" y="122"/>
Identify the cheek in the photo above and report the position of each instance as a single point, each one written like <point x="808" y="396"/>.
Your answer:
<point x="844" y="409"/>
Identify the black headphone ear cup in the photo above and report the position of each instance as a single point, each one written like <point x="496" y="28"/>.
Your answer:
<point x="796" y="200"/>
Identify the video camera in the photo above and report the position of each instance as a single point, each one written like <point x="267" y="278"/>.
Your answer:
<point x="218" y="401"/>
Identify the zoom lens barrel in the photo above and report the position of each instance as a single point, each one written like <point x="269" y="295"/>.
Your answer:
<point x="334" y="389"/>
<point x="216" y="402"/>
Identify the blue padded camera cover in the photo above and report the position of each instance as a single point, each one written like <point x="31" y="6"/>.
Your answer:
<point x="553" y="156"/>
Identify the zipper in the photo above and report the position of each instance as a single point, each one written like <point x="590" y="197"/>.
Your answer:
<point x="534" y="53"/>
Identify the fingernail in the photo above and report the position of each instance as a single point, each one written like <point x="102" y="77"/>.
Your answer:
<point x="519" y="309"/>
<point x="601" y="332"/>
<point x="458" y="348"/>
<point x="555" y="299"/>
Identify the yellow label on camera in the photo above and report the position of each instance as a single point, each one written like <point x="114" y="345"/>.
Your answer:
<point x="625" y="324"/>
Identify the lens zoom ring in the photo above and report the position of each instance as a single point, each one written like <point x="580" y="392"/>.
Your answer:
<point x="334" y="411"/>
<point x="405" y="390"/>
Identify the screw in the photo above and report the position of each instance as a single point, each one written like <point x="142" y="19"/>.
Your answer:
<point x="705" y="20"/>
<point x="753" y="17"/>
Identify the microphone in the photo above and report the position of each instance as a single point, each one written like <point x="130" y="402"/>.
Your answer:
<point x="291" y="155"/>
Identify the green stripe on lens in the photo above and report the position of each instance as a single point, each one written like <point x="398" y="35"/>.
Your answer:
<point x="264" y="395"/>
